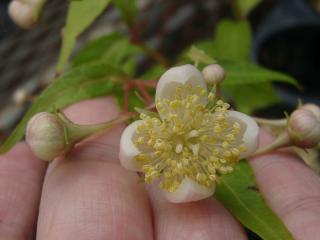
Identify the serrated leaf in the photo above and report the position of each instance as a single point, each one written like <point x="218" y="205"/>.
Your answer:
<point x="80" y="83"/>
<point x="232" y="40"/>
<point x="128" y="9"/>
<point x="80" y="15"/>
<point x="239" y="193"/>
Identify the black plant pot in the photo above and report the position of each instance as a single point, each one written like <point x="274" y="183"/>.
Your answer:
<point x="288" y="40"/>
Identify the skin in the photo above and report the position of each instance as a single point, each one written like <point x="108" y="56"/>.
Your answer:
<point x="90" y="196"/>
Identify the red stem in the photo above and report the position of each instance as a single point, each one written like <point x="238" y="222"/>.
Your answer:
<point x="148" y="83"/>
<point x="144" y="92"/>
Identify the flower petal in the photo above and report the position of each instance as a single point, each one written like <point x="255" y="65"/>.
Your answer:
<point x="128" y="150"/>
<point x="250" y="131"/>
<point x="185" y="74"/>
<point x="189" y="191"/>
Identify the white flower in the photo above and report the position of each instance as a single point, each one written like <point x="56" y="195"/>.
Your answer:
<point x="191" y="143"/>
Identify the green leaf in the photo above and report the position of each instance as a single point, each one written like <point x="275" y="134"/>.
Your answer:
<point x="232" y="40"/>
<point x="128" y="9"/>
<point x="80" y="15"/>
<point x="239" y="193"/>
<point x="80" y="83"/>
<point x="245" y="6"/>
<point x="113" y="49"/>
<point x="248" y="85"/>
<point x="241" y="73"/>
<point x="248" y="97"/>
<point x="96" y="49"/>
<point x="153" y="73"/>
<point x="199" y="56"/>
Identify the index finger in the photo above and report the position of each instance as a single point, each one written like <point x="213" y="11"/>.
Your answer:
<point x="89" y="195"/>
<point x="292" y="190"/>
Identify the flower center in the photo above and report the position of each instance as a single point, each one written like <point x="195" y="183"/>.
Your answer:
<point x="189" y="140"/>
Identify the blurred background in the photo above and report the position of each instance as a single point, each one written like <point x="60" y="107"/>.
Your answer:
<point x="286" y="37"/>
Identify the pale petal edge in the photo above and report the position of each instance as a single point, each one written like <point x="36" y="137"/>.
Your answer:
<point x="128" y="150"/>
<point x="250" y="135"/>
<point x="179" y="75"/>
<point x="189" y="191"/>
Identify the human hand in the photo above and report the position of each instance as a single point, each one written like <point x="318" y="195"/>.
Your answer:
<point x="90" y="196"/>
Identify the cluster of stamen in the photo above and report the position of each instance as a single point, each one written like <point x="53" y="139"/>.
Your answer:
<point x="187" y="140"/>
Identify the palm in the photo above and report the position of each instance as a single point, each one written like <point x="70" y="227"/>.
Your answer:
<point x="90" y="196"/>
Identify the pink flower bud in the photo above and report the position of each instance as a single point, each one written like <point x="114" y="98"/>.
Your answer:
<point x="22" y="14"/>
<point x="304" y="128"/>
<point x="213" y="74"/>
<point x="25" y="13"/>
<point x="312" y="108"/>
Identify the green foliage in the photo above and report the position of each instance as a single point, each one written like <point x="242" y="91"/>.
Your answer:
<point x="95" y="50"/>
<point x="232" y="40"/>
<point x="199" y="56"/>
<point x="84" y="82"/>
<point x="239" y="193"/>
<point x="247" y="85"/>
<point x="153" y="73"/>
<point x="251" y="96"/>
<point x="245" y="6"/>
<point x="128" y="9"/>
<point x="243" y="73"/>
<point x="80" y="15"/>
<point x="113" y="49"/>
<point x="97" y="70"/>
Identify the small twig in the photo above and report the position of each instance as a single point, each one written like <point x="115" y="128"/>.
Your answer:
<point x="283" y="140"/>
<point x="148" y="83"/>
<point x="272" y="122"/>
<point x="144" y="93"/>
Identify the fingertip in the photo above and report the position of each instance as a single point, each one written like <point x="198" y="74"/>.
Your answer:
<point x="21" y="176"/>
<point x="22" y="156"/>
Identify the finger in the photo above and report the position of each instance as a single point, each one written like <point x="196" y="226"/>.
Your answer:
<point x="205" y="219"/>
<point x="21" y="176"/>
<point x="292" y="191"/>
<point x="89" y="195"/>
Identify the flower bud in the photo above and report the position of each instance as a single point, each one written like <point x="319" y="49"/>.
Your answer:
<point x="304" y="128"/>
<point x="46" y="137"/>
<point x="25" y="13"/>
<point x="312" y="108"/>
<point x="52" y="135"/>
<point x="20" y="96"/>
<point x="213" y="74"/>
<point x="22" y="14"/>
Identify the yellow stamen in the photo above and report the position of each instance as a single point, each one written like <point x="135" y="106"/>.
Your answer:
<point x="191" y="140"/>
